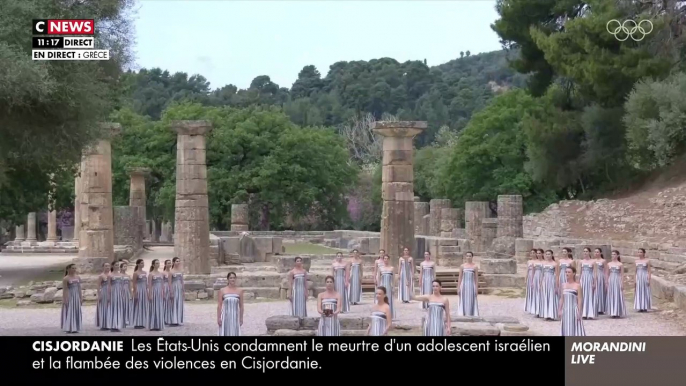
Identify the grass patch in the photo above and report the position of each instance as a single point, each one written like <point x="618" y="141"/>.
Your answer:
<point x="308" y="249"/>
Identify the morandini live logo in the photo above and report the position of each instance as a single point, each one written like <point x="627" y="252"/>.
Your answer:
<point x="63" y="26"/>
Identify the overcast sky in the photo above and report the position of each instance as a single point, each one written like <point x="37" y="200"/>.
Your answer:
<point x="234" y="41"/>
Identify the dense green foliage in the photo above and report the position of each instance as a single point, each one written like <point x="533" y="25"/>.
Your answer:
<point x="567" y="110"/>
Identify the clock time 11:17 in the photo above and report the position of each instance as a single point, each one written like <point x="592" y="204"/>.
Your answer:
<point x="47" y="42"/>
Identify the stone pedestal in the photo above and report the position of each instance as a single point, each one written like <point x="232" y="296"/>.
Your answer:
<point x="510" y="213"/>
<point x="474" y="213"/>
<point x="240" y="217"/>
<point x="421" y="209"/>
<point x="137" y="196"/>
<point x="192" y="236"/>
<point x="19" y="230"/>
<point x="31" y="227"/>
<point x="450" y="219"/>
<point x="435" y="208"/>
<point x="397" y="185"/>
<point x="166" y="232"/>
<point x="96" y="238"/>
<point x="77" y="208"/>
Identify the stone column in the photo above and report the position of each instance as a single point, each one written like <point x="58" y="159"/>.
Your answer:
<point x="510" y="213"/>
<point x="450" y="219"/>
<point x="489" y="231"/>
<point x="31" y="227"/>
<point x="239" y="217"/>
<point x="474" y="213"/>
<point x="192" y="237"/>
<point x="52" y="226"/>
<point x="397" y="185"/>
<point x="77" y="208"/>
<point x="96" y="238"/>
<point x="421" y="209"/>
<point x="19" y="230"/>
<point x="436" y="205"/>
<point x="137" y="194"/>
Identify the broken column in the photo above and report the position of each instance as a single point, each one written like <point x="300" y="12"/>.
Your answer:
<point x="474" y="213"/>
<point x="31" y="228"/>
<point x="510" y="213"/>
<point x="19" y="233"/>
<point x="397" y="185"/>
<point x="435" y="207"/>
<point x="137" y="196"/>
<point x="489" y="231"/>
<point x="192" y="236"/>
<point x="77" y="207"/>
<point x="450" y="219"/>
<point x="421" y="209"/>
<point x="240" y="217"/>
<point x="96" y="239"/>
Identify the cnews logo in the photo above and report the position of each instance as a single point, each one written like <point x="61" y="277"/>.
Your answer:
<point x="629" y="29"/>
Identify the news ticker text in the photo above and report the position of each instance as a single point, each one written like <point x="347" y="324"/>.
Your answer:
<point x="47" y="46"/>
<point x="41" y="358"/>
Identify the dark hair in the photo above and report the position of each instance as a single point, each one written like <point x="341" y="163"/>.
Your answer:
<point x="540" y="250"/>
<point x="165" y="265"/>
<point x="230" y="274"/>
<point x="66" y="270"/>
<point x="104" y="264"/>
<point x="429" y="252"/>
<point x="642" y="250"/>
<point x="587" y="249"/>
<point x="174" y="261"/>
<point x="601" y="252"/>
<point x="385" y="256"/>
<point x="138" y="263"/>
<point x="382" y="288"/>
<point x="552" y="255"/>
<point x="329" y="277"/>
<point x="534" y="250"/>
<point x="404" y="248"/>
<point x="469" y="253"/>
<point x="298" y="258"/>
<point x="567" y="250"/>
<point x="437" y="281"/>
<point x="339" y="253"/>
<point x="619" y="256"/>
<point x="152" y="265"/>
<point x="115" y="264"/>
<point x="355" y="251"/>
<point x="572" y="268"/>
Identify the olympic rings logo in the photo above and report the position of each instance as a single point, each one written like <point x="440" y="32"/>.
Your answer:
<point x="629" y="29"/>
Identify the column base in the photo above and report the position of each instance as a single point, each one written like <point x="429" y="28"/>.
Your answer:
<point x="47" y="243"/>
<point x="29" y="243"/>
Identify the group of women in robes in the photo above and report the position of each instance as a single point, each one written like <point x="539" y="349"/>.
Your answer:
<point x="152" y="299"/>
<point x="573" y="290"/>
<point x="344" y="289"/>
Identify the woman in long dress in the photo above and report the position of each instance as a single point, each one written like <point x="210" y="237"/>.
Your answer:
<point x="468" y="284"/>
<point x="72" y="300"/>
<point x="378" y="263"/>
<point x="176" y="293"/>
<point x="382" y="319"/>
<point x="530" y="281"/>
<point x="102" y="310"/>
<point x="570" y="306"/>
<point x="156" y="296"/>
<point x="116" y="300"/>
<point x="230" y="308"/>
<point x="166" y="272"/>
<point x="616" y="307"/>
<point x="126" y="293"/>
<point x="600" y="294"/>
<point x="642" y="296"/>
<point x="437" y="321"/>
<point x="567" y="260"/>
<point x="340" y="271"/>
<point x="587" y="281"/>
<point x="327" y="306"/>
<point x="536" y="287"/>
<point x="387" y="279"/>
<point x="356" y="275"/>
<point x="405" y="276"/>
<point x="549" y="293"/>
<point x="426" y="278"/>
<point x="297" y="282"/>
<point x="141" y="304"/>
